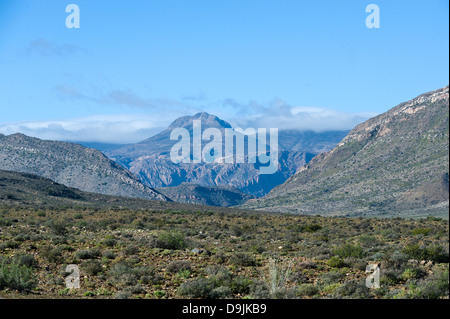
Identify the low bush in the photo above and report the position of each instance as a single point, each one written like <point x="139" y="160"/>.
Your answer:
<point x="434" y="253"/>
<point x="16" y="277"/>
<point x="307" y="290"/>
<point x="92" y="267"/>
<point x="171" y="240"/>
<point x="348" y="250"/>
<point x="243" y="260"/>
<point x="179" y="265"/>
<point x="197" y="288"/>
<point x="336" y="262"/>
<point x="352" y="289"/>
<point x="87" y="254"/>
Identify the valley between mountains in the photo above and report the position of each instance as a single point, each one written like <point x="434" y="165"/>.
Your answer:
<point x="395" y="164"/>
<point x="139" y="226"/>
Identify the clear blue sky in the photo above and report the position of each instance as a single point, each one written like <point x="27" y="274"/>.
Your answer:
<point x="149" y="61"/>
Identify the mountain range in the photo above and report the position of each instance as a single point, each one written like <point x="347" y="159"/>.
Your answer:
<point x="150" y="166"/>
<point x="393" y="164"/>
<point x="150" y="159"/>
<point x="72" y="165"/>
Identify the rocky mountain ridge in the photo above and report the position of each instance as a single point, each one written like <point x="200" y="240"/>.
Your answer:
<point x="72" y="165"/>
<point x="150" y="159"/>
<point x="374" y="168"/>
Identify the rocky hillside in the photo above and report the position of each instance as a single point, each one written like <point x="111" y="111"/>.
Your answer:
<point x="72" y="165"/>
<point x="150" y="159"/>
<point x="205" y="195"/>
<point x="32" y="192"/>
<point x="395" y="163"/>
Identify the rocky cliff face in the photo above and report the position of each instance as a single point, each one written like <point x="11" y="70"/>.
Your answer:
<point x="150" y="159"/>
<point x="377" y="167"/>
<point x="72" y="165"/>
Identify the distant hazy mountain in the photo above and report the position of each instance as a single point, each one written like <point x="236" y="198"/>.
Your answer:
<point x="102" y="147"/>
<point x="204" y="195"/>
<point x="395" y="163"/>
<point x="72" y="165"/>
<point x="150" y="159"/>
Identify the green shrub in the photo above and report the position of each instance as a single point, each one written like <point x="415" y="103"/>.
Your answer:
<point x="243" y="260"/>
<point x="259" y="290"/>
<point x="356" y="263"/>
<point x="299" y="277"/>
<point x="307" y="290"/>
<point x="109" y="255"/>
<point x="130" y="250"/>
<point x="421" y="231"/>
<point x="57" y="227"/>
<point x="395" y="260"/>
<point x="123" y="273"/>
<point x="331" y="277"/>
<point x="311" y="228"/>
<point x="219" y="275"/>
<point x="184" y="273"/>
<point x="197" y="288"/>
<point x="391" y="277"/>
<point x="87" y="254"/>
<point x="352" y="289"/>
<point x="159" y="294"/>
<point x="220" y="258"/>
<point x="413" y="273"/>
<point x="434" y="253"/>
<point x="26" y="260"/>
<point x="52" y="254"/>
<point x="178" y="266"/>
<point x="336" y="262"/>
<point x="349" y="251"/>
<point x="331" y="288"/>
<point x="89" y="294"/>
<point x="434" y="287"/>
<point x="124" y="294"/>
<point x="171" y="240"/>
<point x="41" y="213"/>
<point x="109" y="241"/>
<point x="92" y="267"/>
<point x="17" y="277"/>
<point x="241" y="285"/>
<point x="220" y="292"/>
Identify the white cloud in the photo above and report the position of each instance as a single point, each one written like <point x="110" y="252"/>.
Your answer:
<point x="43" y="47"/>
<point x="278" y="114"/>
<point x="122" y="97"/>
<point x="105" y="129"/>
<point x="132" y="128"/>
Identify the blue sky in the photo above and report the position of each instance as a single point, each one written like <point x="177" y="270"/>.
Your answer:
<point x="134" y="66"/>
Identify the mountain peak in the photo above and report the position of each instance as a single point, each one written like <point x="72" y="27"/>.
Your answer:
<point x="207" y="119"/>
<point x="19" y="135"/>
